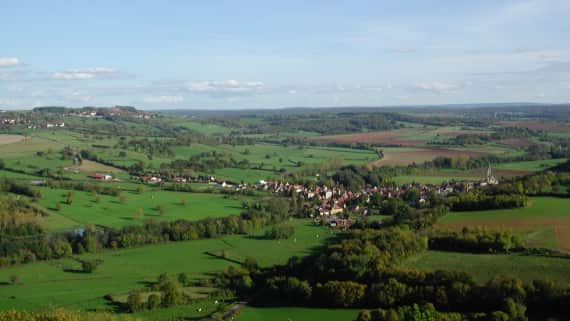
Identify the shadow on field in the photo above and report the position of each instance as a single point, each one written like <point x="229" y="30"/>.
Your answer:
<point x="221" y="257"/>
<point x="74" y="270"/>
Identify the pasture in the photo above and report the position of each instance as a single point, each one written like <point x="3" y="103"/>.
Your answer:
<point x="484" y="266"/>
<point x="545" y="222"/>
<point x="44" y="284"/>
<point x="296" y="314"/>
<point x="411" y="136"/>
<point x="117" y="211"/>
<point x="406" y="156"/>
<point x="537" y="165"/>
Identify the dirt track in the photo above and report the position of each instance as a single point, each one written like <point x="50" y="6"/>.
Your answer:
<point x="6" y="139"/>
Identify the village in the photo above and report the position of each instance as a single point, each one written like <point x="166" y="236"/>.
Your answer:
<point x="37" y="121"/>
<point x="327" y="205"/>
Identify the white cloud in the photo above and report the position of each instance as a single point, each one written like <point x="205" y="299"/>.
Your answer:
<point x="96" y="70"/>
<point x="163" y="99"/>
<point x="436" y="86"/>
<point x="9" y="62"/>
<point x="84" y="74"/>
<point x="63" y="75"/>
<point x="225" y="88"/>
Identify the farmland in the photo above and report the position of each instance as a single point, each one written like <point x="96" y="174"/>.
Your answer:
<point x="545" y="221"/>
<point x="245" y="187"/>
<point x="295" y="314"/>
<point x="123" y="270"/>
<point x="485" y="266"/>
<point x="117" y="211"/>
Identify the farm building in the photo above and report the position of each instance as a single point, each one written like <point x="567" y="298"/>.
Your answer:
<point x="101" y="177"/>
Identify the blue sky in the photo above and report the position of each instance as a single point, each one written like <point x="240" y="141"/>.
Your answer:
<point x="267" y="54"/>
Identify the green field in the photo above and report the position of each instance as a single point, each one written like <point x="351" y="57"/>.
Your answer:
<point x="44" y="284"/>
<point x="539" y="207"/>
<point x="296" y="314"/>
<point x="531" y="165"/>
<point x="112" y="212"/>
<point x="485" y="266"/>
<point x="545" y="222"/>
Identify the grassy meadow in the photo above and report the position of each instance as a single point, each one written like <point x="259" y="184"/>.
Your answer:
<point x="296" y="314"/>
<point x="484" y="266"/>
<point x="125" y="270"/>
<point x="117" y="211"/>
<point x="545" y="222"/>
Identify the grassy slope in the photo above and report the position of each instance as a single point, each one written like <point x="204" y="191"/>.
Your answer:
<point x="485" y="266"/>
<point x="296" y="314"/>
<point x="111" y="212"/>
<point x="540" y="207"/>
<point x="45" y="283"/>
<point x="537" y="165"/>
<point x="536" y="223"/>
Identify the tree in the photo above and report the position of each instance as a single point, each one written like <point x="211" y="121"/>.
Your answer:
<point x="88" y="266"/>
<point x="140" y="189"/>
<point x="138" y="214"/>
<point x="135" y="301"/>
<point x="184" y="279"/>
<point x="69" y="198"/>
<point x="153" y="302"/>
<point x="122" y="198"/>
<point x="160" y="209"/>
<point x="183" y="202"/>
<point x="14" y="279"/>
<point x="163" y="278"/>
<point x="250" y="263"/>
<point x="172" y="294"/>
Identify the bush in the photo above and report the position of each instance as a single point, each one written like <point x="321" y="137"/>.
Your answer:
<point x="14" y="279"/>
<point x="135" y="302"/>
<point x="153" y="302"/>
<point x="280" y="232"/>
<point x="89" y="266"/>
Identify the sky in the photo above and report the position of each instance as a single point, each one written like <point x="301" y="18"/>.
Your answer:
<point x="269" y="54"/>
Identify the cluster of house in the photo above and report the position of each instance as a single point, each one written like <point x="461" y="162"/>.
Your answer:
<point x="53" y="125"/>
<point x="30" y="124"/>
<point x="111" y="112"/>
<point x="85" y="114"/>
<point x="212" y="180"/>
<point x="333" y="201"/>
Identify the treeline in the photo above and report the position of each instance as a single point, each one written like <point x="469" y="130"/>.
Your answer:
<point x="355" y="178"/>
<point x="95" y="188"/>
<point x="11" y="186"/>
<point x="476" y="240"/>
<point x="543" y="183"/>
<point x="329" y="122"/>
<point x="498" y="134"/>
<point x="62" y="315"/>
<point x="477" y="201"/>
